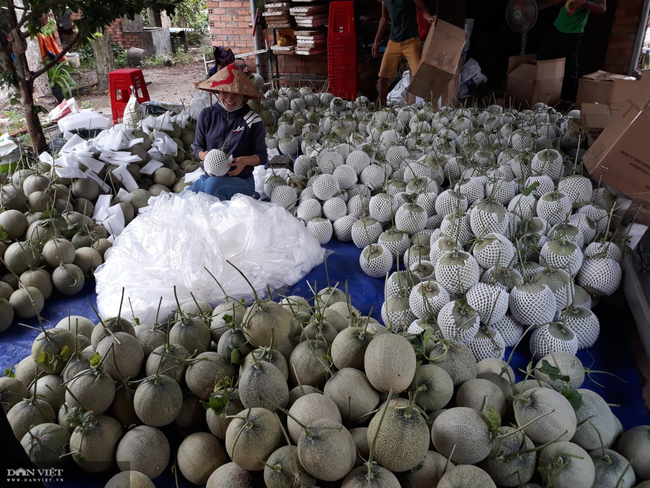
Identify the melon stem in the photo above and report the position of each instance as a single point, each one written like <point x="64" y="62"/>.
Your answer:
<point x="523" y="452"/>
<point x="257" y="298"/>
<point x="226" y="296"/>
<point x="284" y="431"/>
<point x="374" y="440"/>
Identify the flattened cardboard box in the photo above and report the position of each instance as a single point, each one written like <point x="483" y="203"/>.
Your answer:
<point x="531" y="81"/>
<point x="621" y="155"/>
<point x="440" y="61"/>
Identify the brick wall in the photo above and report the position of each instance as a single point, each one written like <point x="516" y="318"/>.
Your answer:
<point x="230" y="26"/>
<point x="124" y="39"/>
<point x="623" y="35"/>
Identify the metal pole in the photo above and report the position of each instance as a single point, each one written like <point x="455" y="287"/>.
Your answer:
<point x="640" y="35"/>
<point x="257" y="39"/>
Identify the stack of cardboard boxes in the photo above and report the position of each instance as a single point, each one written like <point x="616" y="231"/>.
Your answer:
<point x="620" y="156"/>
<point x="601" y="96"/>
<point x="531" y="81"/>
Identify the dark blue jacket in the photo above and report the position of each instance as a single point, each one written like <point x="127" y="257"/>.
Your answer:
<point x="239" y="133"/>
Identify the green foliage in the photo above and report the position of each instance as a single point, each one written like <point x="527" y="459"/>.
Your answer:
<point x="155" y="61"/>
<point x="96" y="13"/>
<point x="61" y="75"/>
<point x="553" y="372"/>
<point x="119" y="55"/>
<point x="574" y="397"/>
<point x="86" y="56"/>
<point x="492" y="418"/>
<point x="193" y="14"/>
<point x="95" y="360"/>
<point x="9" y="372"/>
<point x="49" y="28"/>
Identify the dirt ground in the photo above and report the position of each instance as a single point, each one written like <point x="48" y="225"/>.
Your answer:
<point x="173" y="84"/>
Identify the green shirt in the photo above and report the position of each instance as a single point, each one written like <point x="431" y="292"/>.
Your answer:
<point x="573" y="23"/>
<point x="403" y="20"/>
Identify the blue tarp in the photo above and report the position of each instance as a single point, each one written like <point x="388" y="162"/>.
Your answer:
<point x="612" y="352"/>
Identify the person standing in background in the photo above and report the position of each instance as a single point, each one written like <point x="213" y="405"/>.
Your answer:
<point x="404" y="39"/>
<point x="565" y="39"/>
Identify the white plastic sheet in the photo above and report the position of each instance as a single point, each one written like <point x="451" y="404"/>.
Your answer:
<point x="172" y="243"/>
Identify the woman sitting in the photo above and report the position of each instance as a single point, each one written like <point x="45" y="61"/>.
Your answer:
<point x="235" y="129"/>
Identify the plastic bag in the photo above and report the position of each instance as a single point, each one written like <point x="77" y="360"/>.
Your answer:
<point x="173" y="242"/>
<point x="399" y="95"/>
<point x="470" y="78"/>
<point x="423" y="26"/>
<point x="132" y="113"/>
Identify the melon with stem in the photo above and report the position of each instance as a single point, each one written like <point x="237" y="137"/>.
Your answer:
<point x="375" y="260"/>
<point x="282" y="469"/>
<point x="390" y="363"/>
<point x="635" y="446"/>
<point x="512" y="460"/>
<point x="456" y="359"/>
<point x="564" y="465"/>
<point x="457" y="271"/>
<point x="488" y="217"/>
<point x="158" y="400"/>
<point x="400" y="424"/>
<point x="463" y="435"/>
<point x="144" y="449"/>
<point x="45" y="444"/>
<point x="554" y="207"/>
<point x="545" y="415"/>
<point x="552" y="337"/>
<point x="612" y="469"/>
<point x="532" y="304"/>
<point x="458" y="321"/>
<point x="583" y="323"/>
<point x="487" y="343"/>
<point x="252" y="436"/>
<point x="600" y="276"/>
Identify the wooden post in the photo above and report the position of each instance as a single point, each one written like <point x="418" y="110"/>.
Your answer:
<point x="104" y="61"/>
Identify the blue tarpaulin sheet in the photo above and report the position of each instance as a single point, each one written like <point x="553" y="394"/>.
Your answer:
<point x="612" y="353"/>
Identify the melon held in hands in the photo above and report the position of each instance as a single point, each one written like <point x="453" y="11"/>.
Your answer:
<point x="216" y="162"/>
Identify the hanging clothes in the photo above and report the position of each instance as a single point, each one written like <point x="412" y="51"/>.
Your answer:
<point x="48" y="46"/>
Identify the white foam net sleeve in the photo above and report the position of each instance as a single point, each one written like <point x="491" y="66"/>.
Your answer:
<point x="179" y="236"/>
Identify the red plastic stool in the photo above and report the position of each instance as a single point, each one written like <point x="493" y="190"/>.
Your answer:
<point x="120" y="82"/>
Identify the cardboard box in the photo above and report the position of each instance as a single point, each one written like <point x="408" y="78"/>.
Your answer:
<point x="531" y="81"/>
<point x="604" y="88"/>
<point x="620" y="157"/>
<point x="595" y="117"/>
<point x="440" y="62"/>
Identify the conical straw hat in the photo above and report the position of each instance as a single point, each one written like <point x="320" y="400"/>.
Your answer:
<point x="231" y="80"/>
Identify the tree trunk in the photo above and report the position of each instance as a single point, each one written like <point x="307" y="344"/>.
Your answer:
<point x="34" y="127"/>
<point x="105" y="63"/>
<point x="25" y="87"/>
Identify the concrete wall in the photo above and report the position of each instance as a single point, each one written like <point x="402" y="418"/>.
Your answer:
<point x="156" y="41"/>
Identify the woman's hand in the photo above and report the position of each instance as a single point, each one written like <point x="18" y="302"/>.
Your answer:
<point x="238" y="165"/>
